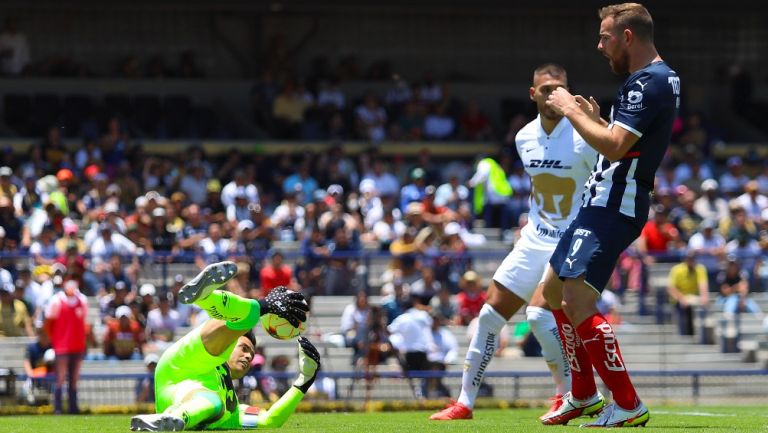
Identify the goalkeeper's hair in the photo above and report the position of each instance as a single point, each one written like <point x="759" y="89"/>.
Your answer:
<point x="552" y="69"/>
<point x="251" y="337"/>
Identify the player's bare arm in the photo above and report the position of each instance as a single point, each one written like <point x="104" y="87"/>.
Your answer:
<point x="613" y="143"/>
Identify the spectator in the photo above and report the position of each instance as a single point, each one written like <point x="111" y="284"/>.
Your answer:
<point x="438" y="125"/>
<point x="288" y="112"/>
<point x="194" y="229"/>
<point x="232" y="188"/>
<point x="732" y="182"/>
<point x="7" y="188"/>
<point x="275" y="273"/>
<point x="39" y="361"/>
<point x="29" y="197"/>
<point x="445" y="306"/>
<point x="709" y="247"/>
<point x="427" y="284"/>
<point x="385" y="183"/>
<point x="301" y="181"/>
<point x="108" y="243"/>
<point x="354" y="320"/>
<point x="443" y="353"/>
<point x="239" y="211"/>
<point x="195" y="183"/>
<point x="471" y="298"/>
<point x="14" y="49"/>
<point x="733" y="283"/>
<point x="111" y="302"/>
<point x="659" y="236"/>
<point x="65" y="324"/>
<point x="709" y="205"/>
<point x="43" y="250"/>
<point x="370" y="119"/>
<point x="13" y="226"/>
<point x="474" y="124"/>
<point x="145" y="387"/>
<point x="159" y="239"/>
<point x="215" y="246"/>
<point x="387" y="230"/>
<point x="492" y="193"/>
<point x="342" y="263"/>
<point x="414" y="191"/>
<point x="762" y="179"/>
<point x="372" y="347"/>
<point x="146" y="302"/>
<point x="411" y="336"/>
<point x="684" y="217"/>
<point x="752" y="201"/>
<point x="410" y="123"/>
<point x="451" y="194"/>
<point x="688" y="287"/>
<point x="314" y="251"/>
<point x="162" y="323"/>
<point x="258" y="239"/>
<point x="14" y="317"/>
<point x="124" y="337"/>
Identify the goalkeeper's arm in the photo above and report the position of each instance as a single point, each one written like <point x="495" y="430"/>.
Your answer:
<point x="309" y="365"/>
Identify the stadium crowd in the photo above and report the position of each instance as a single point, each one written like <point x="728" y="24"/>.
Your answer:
<point x="95" y="214"/>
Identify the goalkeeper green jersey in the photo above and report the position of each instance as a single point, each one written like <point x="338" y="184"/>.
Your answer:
<point x="186" y="367"/>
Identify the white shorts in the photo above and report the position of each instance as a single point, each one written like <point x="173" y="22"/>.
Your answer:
<point x="523" y="268"/>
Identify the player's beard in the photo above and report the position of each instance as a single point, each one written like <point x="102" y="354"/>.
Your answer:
<point x="620" y="63"/>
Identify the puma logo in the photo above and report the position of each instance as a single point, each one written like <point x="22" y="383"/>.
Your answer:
<point x="642" y="86"/>
<point x="570" y="262"/>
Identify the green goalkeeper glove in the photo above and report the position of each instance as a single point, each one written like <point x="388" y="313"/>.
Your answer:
<point x="309" y="365"/>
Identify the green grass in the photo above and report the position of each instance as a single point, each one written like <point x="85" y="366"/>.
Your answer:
<point x="663" y="419"/>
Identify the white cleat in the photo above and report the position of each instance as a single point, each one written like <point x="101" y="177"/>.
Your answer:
<point x="572" y="408"/>
<point x="157" y="422"/>
<point x="614" y="416"/>
<point x="211" y="278"/>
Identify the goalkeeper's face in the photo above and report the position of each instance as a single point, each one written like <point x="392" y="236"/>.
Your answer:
<point x="240" y="361"/>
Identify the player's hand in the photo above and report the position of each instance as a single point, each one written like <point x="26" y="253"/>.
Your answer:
<point x="561" y="101"/>
<point x="287" y="304"/>
<point x="590" y="107"/>
<point x="309" y="365"/>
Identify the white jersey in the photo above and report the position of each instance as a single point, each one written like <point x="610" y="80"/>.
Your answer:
<point x="559" y="165"/>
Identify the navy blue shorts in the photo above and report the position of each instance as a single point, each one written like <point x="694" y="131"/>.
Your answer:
<point x="591" y="246"/>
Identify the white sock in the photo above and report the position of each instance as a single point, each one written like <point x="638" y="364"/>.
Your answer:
<point x="544" y="328"/>
<point x="480" y="353"/>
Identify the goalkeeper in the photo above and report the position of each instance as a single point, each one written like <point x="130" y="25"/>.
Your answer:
<point x="193" y="379"/>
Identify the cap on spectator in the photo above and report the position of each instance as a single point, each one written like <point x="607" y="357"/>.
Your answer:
<point x="58" y="267"/>
<point x="764" y="215"/>
<point x="6" y="171"/>
<point x="418" y="173"/>
<point x="660" y="209"/>
<point x="70" y="285"/>
<point x="734" y="161"/>
<point x="751" y="186"/>
<point x="178" y="196"/>
<point x="414" y="208"/>
<point x="430" y="190"/>
<point x="7" y="288"/>
<point x="147" y="289"/>
<point x="709" y="185"/>
<point x="2" y="232"/>
<point x="152" y="195"/>
<point x="104" y="227"/>
<point x="708" y="224"/>
<point x="367" y="185"/>
<point x="120" y="285"/>
<point x="158" y="212"/>
<point x="319" y="195"/>
<point x="732" y="259"/>
<point x="214" y="185"/>
<point x="64" y="174"/>
<point x="91" y="171"/>
<point x="452" y="228"/>
<point x="470" y="276"/>
<point x="29" y="173"/>
<point x="100" y="177"/>
<point x="245" y="225"/>
<point x="123" y="311"/>
<point x="335" y="189"/>
<point x="151" y="358"/>
<point x="111" y="207"/>
<point x="70" y="229"/>
<point x="49" y="356"/>
<point x="140" y="201"/>
<point x="113" y="189"/>
<point x="178" y="278"/>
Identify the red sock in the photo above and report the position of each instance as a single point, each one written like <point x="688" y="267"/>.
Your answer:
<point x="582" y="378"/>
<point x="603" y="348"/>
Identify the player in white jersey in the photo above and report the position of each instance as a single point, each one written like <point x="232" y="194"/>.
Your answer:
<point x="559" y="163"/>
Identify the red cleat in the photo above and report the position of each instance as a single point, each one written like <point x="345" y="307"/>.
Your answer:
<point x="454" y="410"/>
<point x="557" y="401"/>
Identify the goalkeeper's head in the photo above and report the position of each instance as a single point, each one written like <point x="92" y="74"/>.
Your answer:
<point x="240" y="361"/>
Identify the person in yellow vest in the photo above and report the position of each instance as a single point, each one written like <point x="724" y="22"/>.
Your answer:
<point x="492" y="193"/>
<point x="688" y="287"/>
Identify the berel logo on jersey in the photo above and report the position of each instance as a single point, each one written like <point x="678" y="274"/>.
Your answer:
<point x="634" y="97"/>
<point x="548" y="163"/>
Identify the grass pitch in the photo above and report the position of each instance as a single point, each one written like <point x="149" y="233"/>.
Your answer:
<point x="677" y="419"/>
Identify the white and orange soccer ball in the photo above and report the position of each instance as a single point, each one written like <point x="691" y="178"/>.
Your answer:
<point x="280" y="328"/>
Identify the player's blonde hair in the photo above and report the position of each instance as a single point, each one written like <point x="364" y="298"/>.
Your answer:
<point x="552" y="69"/>
<point x="633" y="16"/>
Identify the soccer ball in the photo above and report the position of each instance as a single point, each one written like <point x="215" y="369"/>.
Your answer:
<point x="280" y="328"/>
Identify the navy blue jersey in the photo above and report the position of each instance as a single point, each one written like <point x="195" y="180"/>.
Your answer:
<point x="646" y="105"/>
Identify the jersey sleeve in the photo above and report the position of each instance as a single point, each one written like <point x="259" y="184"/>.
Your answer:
<point x="642" y="97"/>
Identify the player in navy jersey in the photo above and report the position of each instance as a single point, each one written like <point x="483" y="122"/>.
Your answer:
<point x="614" y="209"/>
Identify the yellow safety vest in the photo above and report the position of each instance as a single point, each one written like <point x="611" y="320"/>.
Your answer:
<point x="498" y="181"/>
